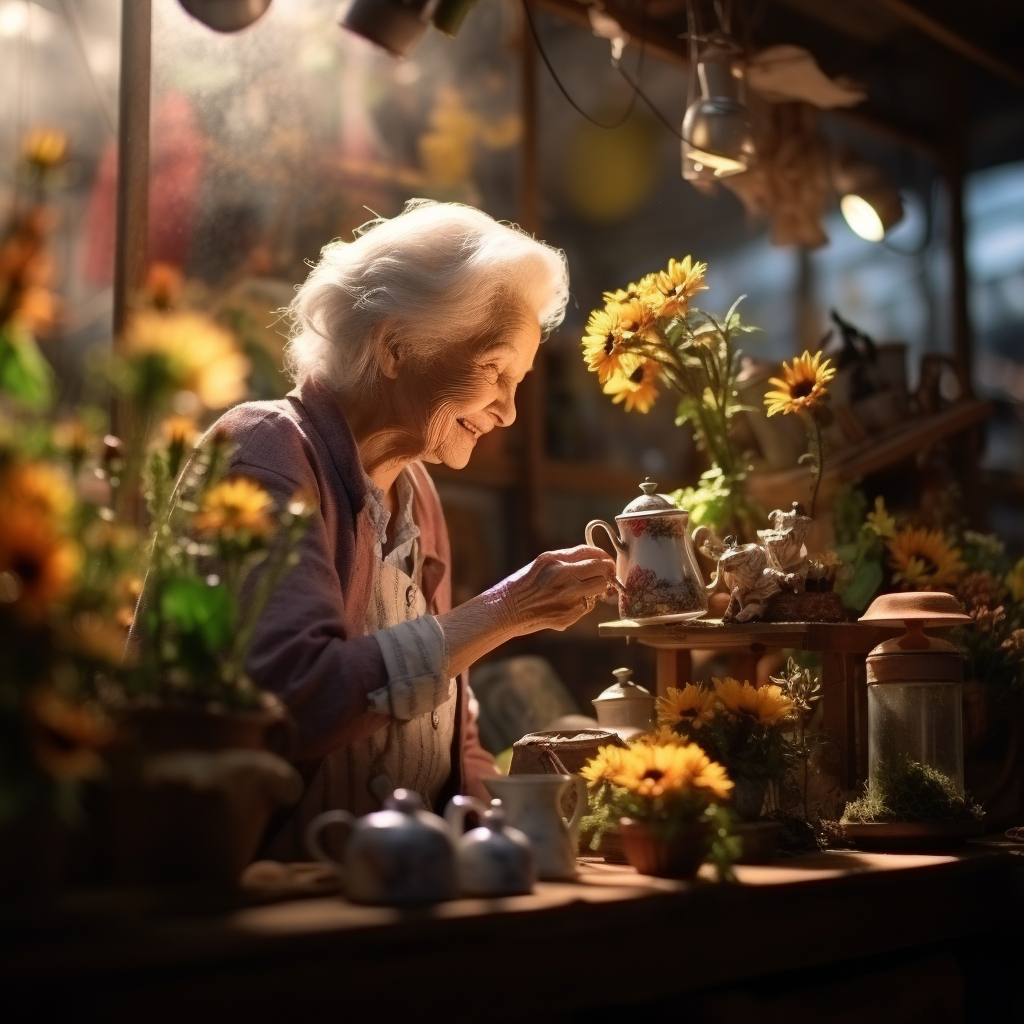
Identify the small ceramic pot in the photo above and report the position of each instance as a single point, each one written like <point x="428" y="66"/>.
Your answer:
<point x="679" y="857"/>
<point x="493" y="859"/>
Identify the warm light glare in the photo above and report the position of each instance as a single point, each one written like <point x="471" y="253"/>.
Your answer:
<point x="18" y="17"/>
<point x="723" y="166"/>
<point x="862" y="217"/>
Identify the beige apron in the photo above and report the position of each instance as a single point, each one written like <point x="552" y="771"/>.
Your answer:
<point x="413" y="754"/>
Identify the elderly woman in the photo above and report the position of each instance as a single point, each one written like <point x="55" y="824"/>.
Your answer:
<point x="407" y="347"/>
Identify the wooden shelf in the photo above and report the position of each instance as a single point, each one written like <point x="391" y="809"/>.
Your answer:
<point x="713" y="634"/>
<point x="871" y="455"/>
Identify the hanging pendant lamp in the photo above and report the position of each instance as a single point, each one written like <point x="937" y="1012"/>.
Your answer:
<point x="226" y="15"/>
<point x="718" y="129"/>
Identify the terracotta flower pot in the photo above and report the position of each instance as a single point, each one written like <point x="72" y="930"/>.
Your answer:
<point x="191" y="792"/>
<point x="650" y="854"/>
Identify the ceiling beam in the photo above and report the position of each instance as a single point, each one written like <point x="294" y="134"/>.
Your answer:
<point x="947" y="37"/>
<point x="659" y="43"/>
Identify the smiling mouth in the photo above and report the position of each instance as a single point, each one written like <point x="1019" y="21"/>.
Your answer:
<point x="467" y="426"/>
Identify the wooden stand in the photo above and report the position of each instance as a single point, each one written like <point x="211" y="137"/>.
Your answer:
<point x="843" y="645"/>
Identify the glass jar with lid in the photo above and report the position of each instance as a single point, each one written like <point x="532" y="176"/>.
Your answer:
<point x="914" y="691"/>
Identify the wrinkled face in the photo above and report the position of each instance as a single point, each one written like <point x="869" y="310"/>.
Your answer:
<point x="463" y="396"/>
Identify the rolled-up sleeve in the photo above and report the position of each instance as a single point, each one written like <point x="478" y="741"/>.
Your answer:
<point x="415" y="657"/>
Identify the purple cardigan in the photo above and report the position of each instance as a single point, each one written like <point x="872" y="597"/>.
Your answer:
<point x="309" y="647"/>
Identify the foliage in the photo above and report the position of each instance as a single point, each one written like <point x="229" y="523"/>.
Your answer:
<point x="744" y="727"/>
<point x="907" y="790"/>
<point x="205" y="548"/>
<point x="72" y="552"/>
<point x="883" y="552"/>
<point x="648" y="337"/>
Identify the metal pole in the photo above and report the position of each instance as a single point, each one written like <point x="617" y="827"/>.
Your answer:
<point x="132" y="202"/>
<point x="534" y="389"/>
<point x="953" y="172"/>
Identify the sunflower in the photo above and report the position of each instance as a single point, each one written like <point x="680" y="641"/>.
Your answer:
<point x="923" y="559"/>
<point x="37" y="566"/>
<point x="37" y="488"/>
<point x="188" y="352"/>
<point x="603" y="342"/>
<point x="45" y="148"/>
<point x="605" y="765"/>
<point x="633" y="291"/>
<point x="638" y="317"/>
<point x="73" y="438"/>
<point x="766" y="705"/>
<point x="66" y="736"/>
<point x="636" y="383"/>
<point x="692" y="706"/>
<point x="164" y="284"/>
<point x="236" y="509"/>
<point x="180" y="430"/>
<point x="880" y="521"/>
<point x="674" y="770"/>
<point x="674" y="287"/>
<point x="661" y="736"/>
<point x="801" y="386"/>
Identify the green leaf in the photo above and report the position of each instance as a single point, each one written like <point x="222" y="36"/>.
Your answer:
<point x="199" y="609"/>
<point x="867" y="578"/>
<point x="24" y="373"/>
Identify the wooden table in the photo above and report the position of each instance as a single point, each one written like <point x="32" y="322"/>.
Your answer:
<point x="613" y="938"/>
<point x="843" y="645"/>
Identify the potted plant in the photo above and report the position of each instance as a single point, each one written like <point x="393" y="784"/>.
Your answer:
<point x="742" y="726"/>
<point x="648" y="337"/>
<point x="74" y="711"/>
<point x="667" y="800"/>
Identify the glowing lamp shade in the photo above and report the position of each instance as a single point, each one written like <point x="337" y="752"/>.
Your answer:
<point x="718" y="131"/>
<point x="871" y="211"/>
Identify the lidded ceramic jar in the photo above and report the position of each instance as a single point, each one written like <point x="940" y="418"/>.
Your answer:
<point x="655" y="563"/>
<point x="914" y="688"/>
<point x="625" y="707"/>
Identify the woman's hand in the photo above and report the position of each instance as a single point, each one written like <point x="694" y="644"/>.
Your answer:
<point x="555" y="589"/>
<point x="552" y="592"/>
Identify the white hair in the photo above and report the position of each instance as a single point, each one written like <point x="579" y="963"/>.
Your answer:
<point x="435" y="275"/>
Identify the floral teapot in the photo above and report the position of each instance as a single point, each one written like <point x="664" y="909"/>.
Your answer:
<point x="654" y="560"/>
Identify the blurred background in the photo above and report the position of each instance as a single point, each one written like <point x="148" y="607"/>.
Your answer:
<point x="266" y="143"/>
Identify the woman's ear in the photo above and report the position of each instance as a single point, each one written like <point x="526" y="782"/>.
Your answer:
<point x="392" y="359"/>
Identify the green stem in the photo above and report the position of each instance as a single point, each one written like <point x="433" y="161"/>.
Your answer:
<point x="820" y="461"/>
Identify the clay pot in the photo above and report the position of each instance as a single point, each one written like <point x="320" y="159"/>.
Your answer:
<point x="191" y="793"/>
<point x="650" y="854"/>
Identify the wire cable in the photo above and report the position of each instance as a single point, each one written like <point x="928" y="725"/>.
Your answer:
<point x="654" y="110"/>
<point x="561" y="88"/>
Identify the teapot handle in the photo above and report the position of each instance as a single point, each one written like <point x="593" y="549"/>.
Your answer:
<point x="317" y="825"/>
<point x="588" y="533"/>
<point x="458" y="807"/>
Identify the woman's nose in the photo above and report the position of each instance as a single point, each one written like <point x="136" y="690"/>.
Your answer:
<point x="504" y="409"/>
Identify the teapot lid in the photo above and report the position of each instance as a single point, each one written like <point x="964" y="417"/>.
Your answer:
<point x="648" y="503"/>
<point x="623" y="688"/>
